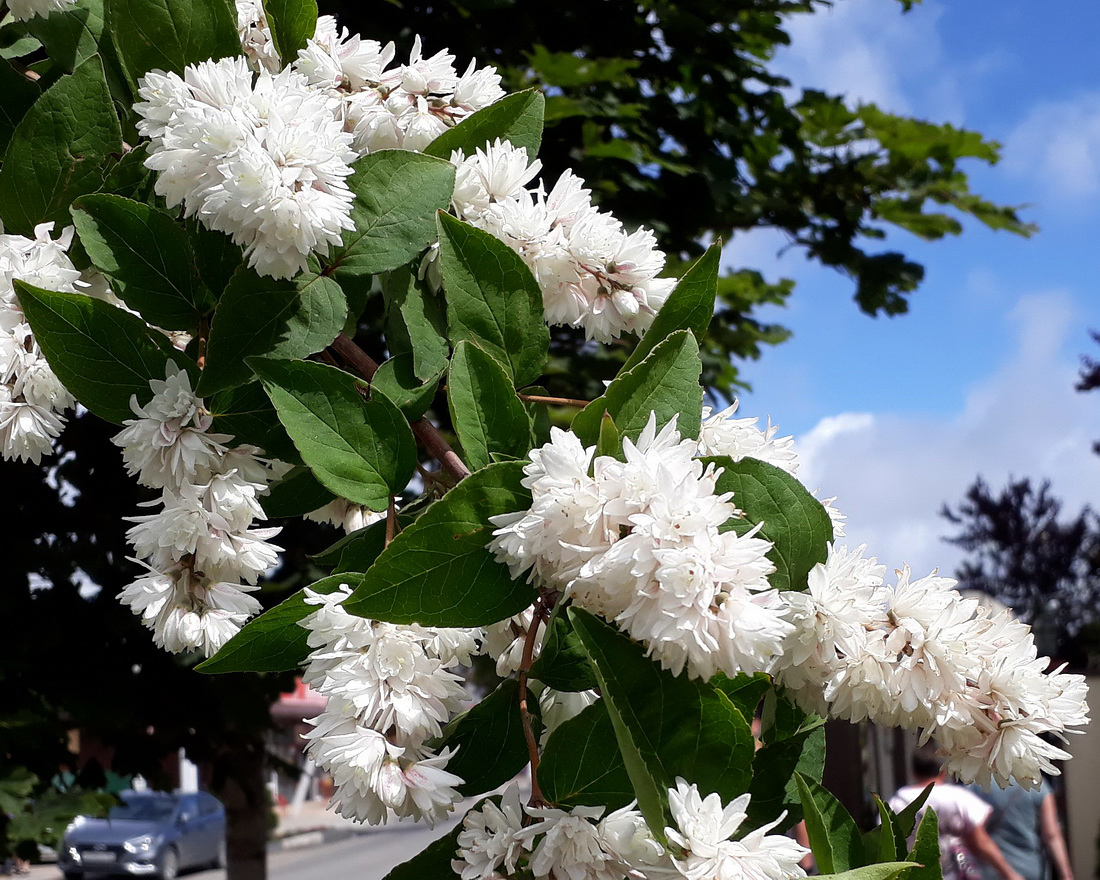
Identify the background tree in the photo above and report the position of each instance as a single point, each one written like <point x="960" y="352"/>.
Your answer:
<point x="1025" y="553"/>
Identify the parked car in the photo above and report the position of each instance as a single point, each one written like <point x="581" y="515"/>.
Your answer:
<point x="149" y="834"/>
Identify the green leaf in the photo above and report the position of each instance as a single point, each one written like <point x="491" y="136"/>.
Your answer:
<point x="488" y="417"/>
<point x="362" y="450"/>
<point x="782" y="718"/>
<point x="666" y="384"/>
<point x="356" y="551"/>
<point x="71" y="36"/>
<point x="270" y="317"/>
<point x="666" y="726"/>
<point x="433" y="862"/>
<point x="170" y="34"/>
<point x="397" y="194"/>
<point x="397" y="380"/>
<point x="926" y="849"/>
<point x="793" y="520"/>
<point x="489" y="739"/>
<point x="492" y="299"/>
<point x="438" y="571"/>
<point x="834" y="836"/>
<point x="216" y="256"/>
<point x="415" y="313"/>
<point x="579" y="765"/>
<point x="296" y="494"/>
<point x="247" y="413"/>
<point x="890" y="846"/>
<point x="103" y="355"/>
<point x="690" y="306"/>
<point x="516" y="118"/>
<point x="609" y="442"/>
<point x="885" y="871"/>
<point x="744" y="691"/>
<point x="20" y="94"/>
<point x="273" y="642"/>
<point x="60" y="150"/>
<point x="146" y="255"/>
<point x="774" y="787"/>
<point x="563" y="663"/>
<point x="292" y="23"/>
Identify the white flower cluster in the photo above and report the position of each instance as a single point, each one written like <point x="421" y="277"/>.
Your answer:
<point x="639" y="542"/>
<point x="200" y="545"/>
<point x="346" y="515"/>
<point x="265" y="162"/>
<point x="583" y="844"/>
<point x="31" y="396"/>
<point x="390" y="689"/>
<point x="592" y="273"/>
<point x="21" y="10"/>
<point x="918" y="655"/>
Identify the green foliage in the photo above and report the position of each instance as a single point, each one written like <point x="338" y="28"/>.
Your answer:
<point x="666" y="726"/>
<point x="433" y="862"/>
<point x="516" y="118"/>
<point x="71" y="36"/>
<point x="438" y="572"/>
<point x="60" y="150"/>
<point x="792" y="519"/>
<point x="492" y="299"/>
<point x="397" y="379"/>
<point x="292" y="23"/>
<point x="103" y="355"/>
<point x="269" y="317"/>
<point x="489" y="739"/>
<point x="358" y="449"/>
<point x="20" y="94"/>
<point x="834" y="835"/>
<point x="563" y="663"/>
<point x="578" y="767"/>
<point x="489" y="419"/>
<point x="296" y="494"/>
<point x="665" y="384"/>
<point x="274" y="641"/>
<point x="412" y="312"/>
<point x="397" y="194"/>
<point x="170" y="34"/>
<point x="147" y="257"/>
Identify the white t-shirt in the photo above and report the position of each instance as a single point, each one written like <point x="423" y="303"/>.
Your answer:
<point x="959" y="812"/>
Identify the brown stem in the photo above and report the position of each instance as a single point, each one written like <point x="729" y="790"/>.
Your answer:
<point x="204" y="332"/>
<point x="537" y="800"/>
<point x="391" y="522"/>
<point x="425" y="431"/>
<point x="554" y="401"/>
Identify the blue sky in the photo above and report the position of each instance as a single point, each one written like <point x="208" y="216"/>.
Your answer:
<point x="897" y="416"/>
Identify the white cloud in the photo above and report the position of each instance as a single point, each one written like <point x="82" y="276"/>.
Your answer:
<point x="1058" y="145"/>
<point x="871" y="52"/>
<point x="893" y="472"/>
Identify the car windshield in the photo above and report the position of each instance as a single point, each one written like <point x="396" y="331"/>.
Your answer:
<point x="145" y="809"/>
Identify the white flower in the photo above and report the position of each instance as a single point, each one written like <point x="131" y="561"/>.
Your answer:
<point x="21" y="10"/>
<point x="703" y="830"/>
<point x="265" y="163"/>
<point x="27" y="430"/>
<point x="489" y="844"/>
<point x="344" y="514"/>
<point x="257" y="43"/>
<point x="559" y="706"/>
<point x="569" y="845"/>
<point x="505" y="640"/>
<point x="721" y="434"/>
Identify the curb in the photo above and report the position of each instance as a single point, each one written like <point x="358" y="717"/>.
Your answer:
<point x="313" y="837"/>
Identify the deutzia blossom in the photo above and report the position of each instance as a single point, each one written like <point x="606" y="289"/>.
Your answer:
<point x="389" y="690"/>
<point x="703" y="830"/>
<point x="344" y="514"/>
<point x="264" y="162"/>
<point x="593" y="273"/>
<point x="640" y="542"/>
<point x="199" y="544"/>
<point x="721" y="434"/>
<point x="257" y="43"/>
<point x="489" y="843"/>
<point x="21" y="10"/>
<point x="32" y="398"/>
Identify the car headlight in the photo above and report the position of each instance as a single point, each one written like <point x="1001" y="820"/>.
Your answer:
<point x="139" y="844"/>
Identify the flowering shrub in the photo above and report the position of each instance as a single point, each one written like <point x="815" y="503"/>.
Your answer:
<point x="198" y="206"/>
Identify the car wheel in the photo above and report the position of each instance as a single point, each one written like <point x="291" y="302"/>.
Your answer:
<point x="169" y="865"/>
<point x="220" y="860"/>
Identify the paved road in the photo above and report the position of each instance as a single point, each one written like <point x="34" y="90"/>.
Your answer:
<point x="365" y="857"/>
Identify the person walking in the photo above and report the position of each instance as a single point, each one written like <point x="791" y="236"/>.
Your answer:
<point x="1023" y="824"/>
<point x="964" y="842"/>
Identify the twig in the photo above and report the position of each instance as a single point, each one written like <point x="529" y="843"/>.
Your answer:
<point x="204" y="332"/>
<point x="425" y="431"/>
<point x="554" y="401"/>
<point x="391" y="522"/>
<point x="537" y="617"/>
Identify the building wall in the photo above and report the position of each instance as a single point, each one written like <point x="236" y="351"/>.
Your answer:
<point x="1082" y="779"/>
